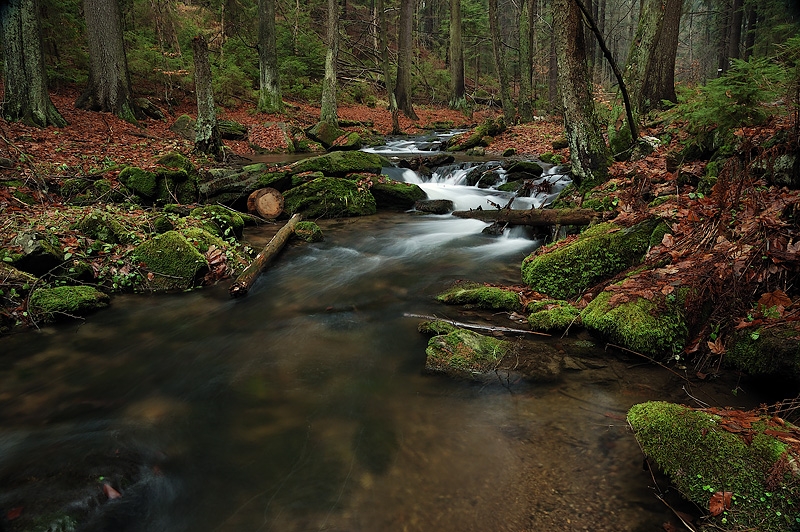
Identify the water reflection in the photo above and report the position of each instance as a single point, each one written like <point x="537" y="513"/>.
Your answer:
<point x="303" y="407"/>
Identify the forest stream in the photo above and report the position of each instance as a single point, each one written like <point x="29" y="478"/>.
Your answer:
<point x="304" y="406"/>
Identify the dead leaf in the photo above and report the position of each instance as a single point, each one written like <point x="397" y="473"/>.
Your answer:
<point x="110" y="492"/>
<point x="716" y="347"/>
<point x="667" y="289"/>
<point x="720" y="502"/>
<point x="777" y="298"/>
<point x="14" y="513"/>
<point x="668" y="240"/>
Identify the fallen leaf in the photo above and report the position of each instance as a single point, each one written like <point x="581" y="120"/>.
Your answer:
<point x="777" y="298"/>
<point x="14" y="513"/>
<point x="110" y="492"/>
<point x="720" y="502"/>
<point x="668" y="240"/>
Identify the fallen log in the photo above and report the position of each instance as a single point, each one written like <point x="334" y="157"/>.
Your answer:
<point x="267" y="202"/>
<point x="242" y="285"/>
<point x="535" y="217"/>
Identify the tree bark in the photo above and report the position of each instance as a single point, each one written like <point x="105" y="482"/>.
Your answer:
<point x="266" y="202"/>
<point x="735" y="32"/>
<point x="270" y="99"/>
<point x="659" y="81"/>
<point x="383" y="36"/>
<point x="207" y="137"/>
<point x="26" y="96"/>
<point x="750" y="32"/>
<point x="552" y="74"/>
<point x="642" y="50"/>
<point x="404" y="55"/>
<point x="533" y="217"/>
<point x="109" y="87"/>
<point x="526" y="45"/>
<point x="328" y="112"/>
<point x="457" y="90"/>
<point x="245" y="281"/>
<point x="500" y="64"/>
<point x="588" y="152"/>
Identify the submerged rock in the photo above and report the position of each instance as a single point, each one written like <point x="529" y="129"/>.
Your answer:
<point x="394" y="195"/>
<point x="437" y="206"/>
<point x="308" y="231"/>
<point x="49" y="304"/>
<point x="735" y="464"/>
<point x="464" y="354"/>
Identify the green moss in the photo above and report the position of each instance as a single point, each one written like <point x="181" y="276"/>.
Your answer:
<point x="177" y="160"/>
<point x="174" y="262"/>
<point x="702" y="458"/>
<point x="599" y="253"/>
<point x="511" y="186"/>
<point x="140" y="182"/>
<point x="202" y="239"/>
<point x="480" y="136"/>
<point x="102" y="225"/>
<point x="390" y="194"/>
<point x="162" y="224"/>
<point x="74" y="186"/>
<point x="329" y="197"/>
<point x="51" y="303"/>
<point x="341" y="163"/>
<point x="558" y="317"/>
<point x="660" y="200"/>
<point x="551" y="158"/>
<point x="436" y="327"/>
<point x="464" y="353"/>
<point x="486" y="297"/>
<point x="655" y="327"/>
<point x="772" y="351"/>
<point x="222" y="221"/>
<point x="308" y="231"/>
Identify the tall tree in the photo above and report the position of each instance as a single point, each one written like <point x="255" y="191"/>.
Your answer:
<point x="270" y="99"/>
<point x="109" y="87"/>
<point x="588" y="152"/>
<point x="500" y="63"/>
<point x="207" y="136"/>
<point x="643" y="49"/>
<point x="328" y="113"/>
<point x="26" y="96"/>
<point x="383" y="34"/>
<point x="458" y="98"/>
<point x="659" y="80"/>
<point x="405" y="51"/>
<point x="527" y="25"/>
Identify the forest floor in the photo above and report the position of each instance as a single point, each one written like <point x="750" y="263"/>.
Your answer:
<point x="735" y="242"/>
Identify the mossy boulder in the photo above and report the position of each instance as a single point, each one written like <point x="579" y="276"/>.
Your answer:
<point x="40" y="252"/>
<point x="557" y="316"/>
<point x="480" y="136"/>
<point x="341" y="163"/>
<point x="103" y="226"/>
<point x="478" y="296"/>
<point x="564" y="271"/>
<point x="529" y="169"/>
<point x="749" y="466"/>
<point x="464" y="354"/>
<point x="49" y="304"/>
<point x="220" y="220"/>
<point x="437" y="206"/>
<point x="202" y="239"/>
<point x="346" y="142"/>
<point x="308" y="231"/>
<point x="772" y="351"/>
<point x="325" y="133"/>
<point x="184" y="126"/>
<point x="232" y="130"/>
<point x="176" y="186"/>
<point x="141" y="182"/>
<point x="175" y="264"/>
<point x="654" y="327"/>
<point x="396" y="195"/>
<point x="224" y="185"/>
<point x="177" y="160"/>
<point x="329" y="197"/>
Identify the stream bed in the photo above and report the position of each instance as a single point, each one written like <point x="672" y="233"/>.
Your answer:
<point x="304" y="405"/>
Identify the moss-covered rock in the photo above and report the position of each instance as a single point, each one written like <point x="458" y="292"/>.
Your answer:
<point x="230" y="186"/>
<point x="394" y="195"/>
<point x="341" y="163"/>
<point x="705" y="461"/>
<point x="140" y="182"/>
<point x="64" y="301"/>
<point x="177" y="160"/>
<point x="437" y="206"/>
<point x="103" y="226"/>
<point x="308" y="231"/>
<point x="600" y="252"/>
<point x="531" y="169"/>
<point x="329" y="197"/>
<point x="464" y="354"/>
<point x="184" y="126"/>
<point x="175" y="264"/>
<point x="232" y="130"/>
<point x="555" y="317"/>
<point x="40" y="252"/>
<point x="220" y="220"/>
<point x="325" y="133"/>
<point x="485" y="297"/>
<point x="348" y="141"/>
<point x="480" y="136"/>
<point x="436" y="327"/>
<point x="202" y="239"/>
<point x="772" y="351"/>
<point x="653" y="327"/>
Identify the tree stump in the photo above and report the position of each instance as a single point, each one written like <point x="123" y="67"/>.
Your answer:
<point x="266" y="202"/>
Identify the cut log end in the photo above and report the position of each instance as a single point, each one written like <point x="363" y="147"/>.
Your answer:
<point x="266" y="202"/>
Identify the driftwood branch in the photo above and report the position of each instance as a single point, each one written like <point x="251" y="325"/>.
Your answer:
<point x="535" y="217"/>
<point x="242" y="285"/>
<point x="475" y="326"/>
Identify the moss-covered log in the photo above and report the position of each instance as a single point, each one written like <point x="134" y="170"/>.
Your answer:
<point x="534" y="217"/>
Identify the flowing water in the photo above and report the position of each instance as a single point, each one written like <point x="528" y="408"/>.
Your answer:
<point x="303" y="407"/>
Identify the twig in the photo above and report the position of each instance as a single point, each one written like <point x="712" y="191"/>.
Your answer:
<point x="475" y="325"/>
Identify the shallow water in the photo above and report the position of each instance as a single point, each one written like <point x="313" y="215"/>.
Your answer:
<point x="304" y="406"/>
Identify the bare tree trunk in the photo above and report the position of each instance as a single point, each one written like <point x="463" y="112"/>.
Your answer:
<point x="26" y="96"/>
<point x="526" y="44"/>
<point x="109" y="86"/>
<point x="552" y="75"/>
<point x="499" y="64"/>
<point x="659" y="81"/>
<point x="328" y="112"/>
<point x="458" y="92"/>
<point x="724" y="34"/>
<point x="207" y="136"/>
<point x="588" y="151"/>
<point x="270" y="99"/>
<point x="404" y="54"/>
<point x="642" y="50"/>
<point x="383" y="35"/>
<point x="735" y="32"/>
<point x="750" y="32"/>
